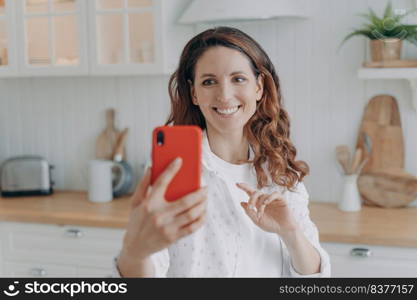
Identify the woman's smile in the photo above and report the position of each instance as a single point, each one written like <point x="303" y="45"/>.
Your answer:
<point x="227" y="112"/>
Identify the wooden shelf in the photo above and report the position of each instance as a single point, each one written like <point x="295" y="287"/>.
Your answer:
<point x="387" y="73"/>
<point x="409" y="74"/>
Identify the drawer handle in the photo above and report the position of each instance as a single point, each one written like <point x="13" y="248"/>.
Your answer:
<point x="360" y="252"/>
<point x="74" y="233"/>
<point x="39" y="272"/>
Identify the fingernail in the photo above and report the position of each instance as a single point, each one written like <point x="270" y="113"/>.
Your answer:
<point x="177" y="161"/>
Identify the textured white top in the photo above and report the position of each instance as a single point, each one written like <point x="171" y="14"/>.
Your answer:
<point x="229" y="244"/>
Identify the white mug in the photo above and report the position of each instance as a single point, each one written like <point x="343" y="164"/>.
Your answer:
<point x="100" y="187"/>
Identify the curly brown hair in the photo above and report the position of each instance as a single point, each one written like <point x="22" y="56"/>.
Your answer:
<point x="267" y="131"/>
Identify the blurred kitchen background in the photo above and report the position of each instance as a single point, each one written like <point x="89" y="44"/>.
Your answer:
<point x="65" y="63"/>
<point x="57" y="111"/>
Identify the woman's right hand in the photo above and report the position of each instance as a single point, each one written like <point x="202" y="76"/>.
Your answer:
<point x="154" y="223"/>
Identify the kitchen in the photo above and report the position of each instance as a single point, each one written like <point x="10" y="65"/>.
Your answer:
<point x="101" y="62"/>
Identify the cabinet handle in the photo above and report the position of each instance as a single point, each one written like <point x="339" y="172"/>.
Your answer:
<point x="360" y="252"/>
<point x="74" y="233"/>
<point x="39" y="272"/>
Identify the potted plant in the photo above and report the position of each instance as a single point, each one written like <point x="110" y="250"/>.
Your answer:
<point x="386" y="34"/>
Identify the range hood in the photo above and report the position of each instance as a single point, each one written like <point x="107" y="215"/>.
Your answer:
<point x="211" y="11"/>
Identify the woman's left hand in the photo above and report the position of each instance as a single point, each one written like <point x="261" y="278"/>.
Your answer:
<point x="272" y="212"/>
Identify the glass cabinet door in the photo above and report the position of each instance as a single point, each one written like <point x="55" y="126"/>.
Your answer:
<point x="4" y="60"/>
<point x="7" y="58"/>
<point x="124" y="33"/>
<point x="53" y="35"/>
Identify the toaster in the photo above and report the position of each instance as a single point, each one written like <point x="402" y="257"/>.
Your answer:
<point x="26" y="176"/>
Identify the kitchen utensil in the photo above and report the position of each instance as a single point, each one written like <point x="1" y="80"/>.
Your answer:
<point x="343" y="157"/>
<point x="388" y="188"/>
<point x="106" y="141"/>
<point x="361" y="165"/>
<point x="356" y="161"/>
<point x="26" y="176"/>
<point x="123" y="174"/>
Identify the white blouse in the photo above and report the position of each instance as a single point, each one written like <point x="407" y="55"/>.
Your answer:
<point x="229" y="244"/>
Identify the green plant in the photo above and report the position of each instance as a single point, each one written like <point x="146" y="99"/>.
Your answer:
<point x="389" y="26"/>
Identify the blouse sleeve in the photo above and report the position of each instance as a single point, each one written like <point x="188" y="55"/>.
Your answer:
<point x="298" y="202"/>
<point x="160" y="261"/>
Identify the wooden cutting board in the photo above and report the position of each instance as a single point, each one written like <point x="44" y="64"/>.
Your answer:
<point x="388" y="188"/>
<point x="383" y="181"/>
<point x="106" y="141"/>
<point x="381" y="122"/>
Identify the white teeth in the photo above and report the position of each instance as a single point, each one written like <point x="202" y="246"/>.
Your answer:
<point x="228" y="111"/>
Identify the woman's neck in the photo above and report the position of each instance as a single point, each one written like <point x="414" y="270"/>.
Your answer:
<point x="231" y="147"/>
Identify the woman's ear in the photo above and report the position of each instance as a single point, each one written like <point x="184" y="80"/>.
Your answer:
<point x="192" y="92"/>
<point x="259" y="87"/>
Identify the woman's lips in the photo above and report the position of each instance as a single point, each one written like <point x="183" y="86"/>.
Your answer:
<point x="225" y="112"/>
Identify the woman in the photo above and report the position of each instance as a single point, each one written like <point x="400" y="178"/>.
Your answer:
<point x="252" y="218"/>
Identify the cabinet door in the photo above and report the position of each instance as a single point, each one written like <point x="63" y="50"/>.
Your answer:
<point x="8" y="65"/>
<point x="74" y="245"/>
<point x="36" y="270"/>
<point x="51" y="37"/>
<point x="125" y="36"/>
<point x="348" y="260"/>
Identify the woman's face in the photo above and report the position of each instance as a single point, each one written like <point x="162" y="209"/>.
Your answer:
<point x="226" y="89"/>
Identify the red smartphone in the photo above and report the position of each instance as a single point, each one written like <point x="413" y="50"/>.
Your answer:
<point x="170" y="142"/>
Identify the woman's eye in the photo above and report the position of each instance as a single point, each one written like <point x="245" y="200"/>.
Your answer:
<point x="208" y="82"/>
<point x="240" y="79"/>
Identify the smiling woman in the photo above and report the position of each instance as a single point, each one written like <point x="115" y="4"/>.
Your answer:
<point x="251" y="219"/>
<point x="221" y="69"/>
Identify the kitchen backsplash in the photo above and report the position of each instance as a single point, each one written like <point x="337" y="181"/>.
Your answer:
<point x="60" y="118"/>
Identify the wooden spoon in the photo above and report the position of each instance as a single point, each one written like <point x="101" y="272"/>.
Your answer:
<point x="356" y="161"/>
<point x="343" y="156"/>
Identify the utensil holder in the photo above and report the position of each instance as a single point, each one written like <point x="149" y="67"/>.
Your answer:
<point x="350" y="200"/>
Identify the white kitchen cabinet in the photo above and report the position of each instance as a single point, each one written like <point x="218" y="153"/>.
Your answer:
<point x="350" y="260"/>
<point x="8" y="59"/>
<point x="135" y="36"/>
<point x="39" y="250"/>
<point x="51" y="37"/>
<point x="97" y="37"/>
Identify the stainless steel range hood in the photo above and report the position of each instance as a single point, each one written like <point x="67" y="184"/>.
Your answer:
<point x="212" y="11"/>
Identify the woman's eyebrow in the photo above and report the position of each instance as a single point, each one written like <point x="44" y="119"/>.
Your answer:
<point x="237" y="72"/>
<point x="231" y="74"/>
<point x="207" y="75"/>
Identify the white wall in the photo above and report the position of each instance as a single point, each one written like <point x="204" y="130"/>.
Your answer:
<point x="60" y="118"/>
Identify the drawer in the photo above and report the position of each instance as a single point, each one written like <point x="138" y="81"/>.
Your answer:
<point x="37" y="270"/>
<point x="56" y="244"/>
<point x="83" y="272"/>
<point x="349" y="260"/>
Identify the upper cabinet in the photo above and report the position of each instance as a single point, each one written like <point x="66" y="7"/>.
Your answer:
<point x="136" y="36"/>
<point x="97" y="37"/>
<point x="8" y="62"/>
<point x="51" y="37"/>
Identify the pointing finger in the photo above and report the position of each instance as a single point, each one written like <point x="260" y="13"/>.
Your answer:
<point x="246" y="188"/>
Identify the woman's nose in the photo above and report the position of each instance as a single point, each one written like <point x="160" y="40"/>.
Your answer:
<point x="225" y="92"/>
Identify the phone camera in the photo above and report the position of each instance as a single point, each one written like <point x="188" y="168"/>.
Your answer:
<point x="160" y="138"/>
